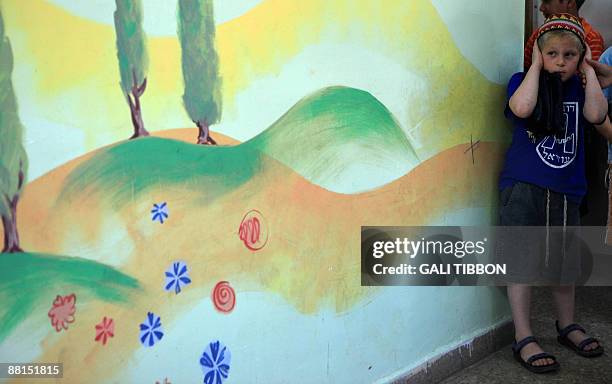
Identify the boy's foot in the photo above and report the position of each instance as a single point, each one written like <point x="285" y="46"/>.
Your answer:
<point x="574" y="337"/>
<point x="578" y="337"/>
<point x="532" y="349"/>
<point x="531" y="356"/>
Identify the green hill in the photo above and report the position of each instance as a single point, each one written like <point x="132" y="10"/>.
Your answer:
<point x="127" y="168"/>
<point x="340" y="138"/>
<point x="29" y="279"/>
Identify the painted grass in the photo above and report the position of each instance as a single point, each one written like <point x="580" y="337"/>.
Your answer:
<point x="132" y="167"/>
<point x="330" y="117"/>
<point x="28" y="279"/>
<point x="323" y="133"/>
<point x="335" y="128"/>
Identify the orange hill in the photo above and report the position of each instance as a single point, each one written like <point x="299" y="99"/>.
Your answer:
<point x="312" y="255"/>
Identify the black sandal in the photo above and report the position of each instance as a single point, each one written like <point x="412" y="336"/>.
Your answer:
<point x="516" y="350"/>
<point x="579" y="349"/>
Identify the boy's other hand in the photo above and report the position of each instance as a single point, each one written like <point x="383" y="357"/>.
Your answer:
<point x="603" y="71"/>
<point x="584" y="64"/>
<point x="536" y="57"/>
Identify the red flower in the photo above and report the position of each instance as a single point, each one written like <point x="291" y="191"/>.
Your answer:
<point x="105" y="329"/>
<point x="62" y="311"/>
<point x="224" y="297"/>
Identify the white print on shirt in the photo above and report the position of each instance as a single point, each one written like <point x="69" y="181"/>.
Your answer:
<point x="560" y="152"/>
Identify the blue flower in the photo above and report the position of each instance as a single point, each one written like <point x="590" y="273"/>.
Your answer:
<point x="150" y="330"/>
<point x="176" y="276"/>
<point x="159" y="212"/>
<point x="215" y="362"/>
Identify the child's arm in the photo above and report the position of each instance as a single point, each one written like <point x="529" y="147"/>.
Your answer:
<point x="525" y="98"/>
<point x="595" y="103"/>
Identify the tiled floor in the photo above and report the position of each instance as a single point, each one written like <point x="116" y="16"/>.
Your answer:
<point x="593" y="311"/>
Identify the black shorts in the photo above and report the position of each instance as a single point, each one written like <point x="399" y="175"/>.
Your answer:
<point x="540" y="246"/>
<point x="526" y="204"/>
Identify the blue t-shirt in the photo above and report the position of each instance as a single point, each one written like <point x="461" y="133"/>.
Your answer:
<point x="606" y="58"/>
<point x="554" y="162"/>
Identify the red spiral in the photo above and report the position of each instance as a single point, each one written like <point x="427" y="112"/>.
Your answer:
<point x="224" y="297"/>
<point x="252" y="231"/>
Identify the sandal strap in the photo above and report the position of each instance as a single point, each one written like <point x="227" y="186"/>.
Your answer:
<point x="518" y="345"/>
<point x="539" y="356"/>
<point x="570" y="328"/>
<point x="586" y="342"/>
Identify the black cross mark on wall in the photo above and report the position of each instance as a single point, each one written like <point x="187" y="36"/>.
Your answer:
<point x="473" y="146"/>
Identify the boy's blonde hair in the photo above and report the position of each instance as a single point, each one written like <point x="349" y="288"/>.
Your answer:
<point x="561" y="33"/>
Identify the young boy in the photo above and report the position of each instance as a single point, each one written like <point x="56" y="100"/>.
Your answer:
<point x="543" y="178"/>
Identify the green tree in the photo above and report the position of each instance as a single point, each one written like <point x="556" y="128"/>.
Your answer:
<point x="200" y="63"/>
<point x="13" y="159"/>
<point x="133" y="58"/>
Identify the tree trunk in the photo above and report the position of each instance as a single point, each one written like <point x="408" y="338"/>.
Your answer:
<point x="204" y="133"/>
<point x="139" y="129"/>
<point x="11" y="236"/>
<point x="137" y="91"/>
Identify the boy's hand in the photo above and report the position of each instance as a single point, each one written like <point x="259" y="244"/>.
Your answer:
<point x="595" y="105"/>
<point x="584" y="64"/>
<point x="536" y="57"/>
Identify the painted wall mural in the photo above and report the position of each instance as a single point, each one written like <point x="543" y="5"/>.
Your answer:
<point x="196" y="173"/>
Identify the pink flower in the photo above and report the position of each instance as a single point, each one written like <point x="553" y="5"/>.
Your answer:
<point x="62" y="311"/>
<point x="105" y="329"/>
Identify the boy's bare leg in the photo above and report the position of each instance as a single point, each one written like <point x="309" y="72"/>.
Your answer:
<point x="520" y="301"/>
<point x="564" y="297"/>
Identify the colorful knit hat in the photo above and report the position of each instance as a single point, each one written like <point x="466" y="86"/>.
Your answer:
<point x="563" y="21"/>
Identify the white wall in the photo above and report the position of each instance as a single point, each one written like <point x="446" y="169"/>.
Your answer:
<point x="599" y="14"/>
